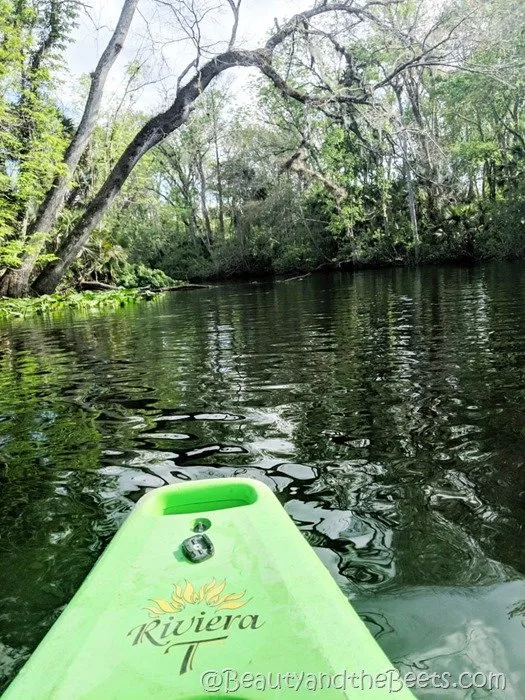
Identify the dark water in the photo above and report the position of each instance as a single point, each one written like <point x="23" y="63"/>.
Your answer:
<point x="385" y="408"/>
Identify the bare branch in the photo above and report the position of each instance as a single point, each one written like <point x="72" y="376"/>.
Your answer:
<point x="417" y="59"/>
<point x="301" y="18"/>
<point x="235" y="7"/>
<point x="191" y="64"/>
<point x="286" y="89"/>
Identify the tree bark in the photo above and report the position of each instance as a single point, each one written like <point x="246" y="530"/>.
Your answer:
<point x="298" y="163"/>
<point x="15" y="283"/>
<point x="29" y="88"/>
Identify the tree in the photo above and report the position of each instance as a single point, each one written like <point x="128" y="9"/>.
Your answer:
<point x="384" y="131"/>
<point x="15" y="282"/>
<point x="34" y="132"/>
<point x="352" y="91"/>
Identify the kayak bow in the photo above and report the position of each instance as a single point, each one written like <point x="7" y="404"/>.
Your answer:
<point x="204" y="576"/>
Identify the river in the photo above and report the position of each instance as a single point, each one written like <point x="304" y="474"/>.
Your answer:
<point x="385" y="408"/>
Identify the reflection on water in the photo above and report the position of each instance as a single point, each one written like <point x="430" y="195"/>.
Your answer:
<point x="384" y="408"/>
<point x="454" y="631"/>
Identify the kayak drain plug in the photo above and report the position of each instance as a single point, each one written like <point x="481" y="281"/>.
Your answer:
<point x="198" y="548"/>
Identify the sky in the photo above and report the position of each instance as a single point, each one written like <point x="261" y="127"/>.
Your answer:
<point x="93" y="32"/>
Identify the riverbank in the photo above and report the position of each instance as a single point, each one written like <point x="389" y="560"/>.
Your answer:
<point x="482" y="249"/>
<point x="84" y="301"/>
<point x="258" y="273"/>
<point x="87" y="300"/>
<point x="101" y="298"/>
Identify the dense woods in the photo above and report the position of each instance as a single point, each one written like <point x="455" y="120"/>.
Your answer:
<point x="381" y="132"/>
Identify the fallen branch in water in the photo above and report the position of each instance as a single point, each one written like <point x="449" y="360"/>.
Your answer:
<point x="94" y="286"/>
<point x="91" y="285"/>
<point x="299" y="277"/>
<point x="181" y="287"/>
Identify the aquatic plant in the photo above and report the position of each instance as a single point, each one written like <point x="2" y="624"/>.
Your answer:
<point x="83" y="301"/>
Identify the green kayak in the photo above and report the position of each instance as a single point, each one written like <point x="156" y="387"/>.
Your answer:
<point x="208" y="590"/>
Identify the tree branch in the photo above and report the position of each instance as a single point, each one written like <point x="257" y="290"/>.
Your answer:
<point x="235" y="7"/>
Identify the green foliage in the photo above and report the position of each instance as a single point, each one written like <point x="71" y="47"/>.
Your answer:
<point x="504" y="233"/>
<point x="426" y="168"/>
<point x="81" y="301"/>
<point x="10" y="252"/>
<point x="139" y="275"/>
<point x="33" y="133"/>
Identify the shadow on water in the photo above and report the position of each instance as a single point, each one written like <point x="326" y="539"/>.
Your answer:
<point x="384" y="408"/>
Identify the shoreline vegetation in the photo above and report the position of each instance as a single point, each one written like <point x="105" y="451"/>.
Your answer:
<point x="96" y="296"/>
<point x="48" y="304"/>
<point x="369" y="139"/>
<point x="56" y="303"/>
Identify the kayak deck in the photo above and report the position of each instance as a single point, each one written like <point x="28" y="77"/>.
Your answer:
<point x="148" y="622"/>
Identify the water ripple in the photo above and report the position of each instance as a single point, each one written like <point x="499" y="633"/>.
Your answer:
<point x="385" y="409"/>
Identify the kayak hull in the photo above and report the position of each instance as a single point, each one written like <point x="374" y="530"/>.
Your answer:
<point x="150" y="623"/>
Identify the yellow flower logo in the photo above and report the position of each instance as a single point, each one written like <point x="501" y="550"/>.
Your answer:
<point x="211" y="594"/>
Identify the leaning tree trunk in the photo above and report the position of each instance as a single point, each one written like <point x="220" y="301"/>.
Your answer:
<point x="152" y="133"/>
<point x="160" y="126"/>
<point x="15" y="283"/>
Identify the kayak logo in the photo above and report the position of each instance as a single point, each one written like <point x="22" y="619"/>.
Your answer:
<point x="190" y="616"/>
<point x="210" y="594"/>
